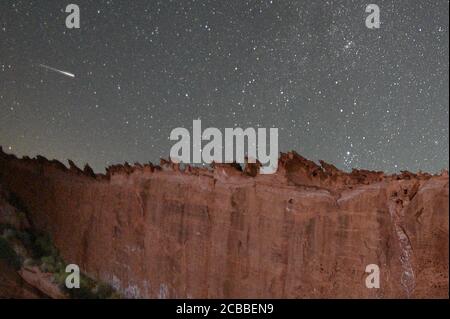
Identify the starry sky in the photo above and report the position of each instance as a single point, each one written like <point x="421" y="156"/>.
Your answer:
<point x="352" y="96"/>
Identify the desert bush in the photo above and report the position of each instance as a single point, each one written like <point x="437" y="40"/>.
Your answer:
<point x="8" y="254"/>
<point x="9" y="233"/>
<point x="30" y="262"/>
<point x="43" y="246"/>
<point x="46" y="256"/>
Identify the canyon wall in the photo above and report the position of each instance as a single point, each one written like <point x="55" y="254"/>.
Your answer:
<point x="308" y="231"/>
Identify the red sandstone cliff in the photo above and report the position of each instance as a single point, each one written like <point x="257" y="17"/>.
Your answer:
<point x="307" y="231"/>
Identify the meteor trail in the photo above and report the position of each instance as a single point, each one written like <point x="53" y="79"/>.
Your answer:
<point x="56" y="70"/>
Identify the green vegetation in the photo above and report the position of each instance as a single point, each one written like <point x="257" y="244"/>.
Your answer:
<point x="91" y="289"/>
<point x="42" y="246"/>
<point x="9" y="255"/>
<point x="45" y="256"/>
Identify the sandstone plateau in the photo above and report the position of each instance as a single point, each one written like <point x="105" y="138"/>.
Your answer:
<point x="307" y="231"/>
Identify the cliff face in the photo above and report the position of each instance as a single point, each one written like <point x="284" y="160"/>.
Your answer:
<point x="308" y="231"/>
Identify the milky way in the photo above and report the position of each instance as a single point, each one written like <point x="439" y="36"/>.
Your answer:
<point x="338" y="91"/>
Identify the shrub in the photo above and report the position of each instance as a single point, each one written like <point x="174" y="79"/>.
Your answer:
<point x="30" y="262"/>
<point x="9" y="255"/>
<point x="48" y="264"/>
<point x="43" y="246"/>
<point x="46" y="256"/>
<point x="9" y="233"/>
<point x="25" y="238"/>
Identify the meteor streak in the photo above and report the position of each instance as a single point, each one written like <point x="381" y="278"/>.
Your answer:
<point x="56" y="70"/>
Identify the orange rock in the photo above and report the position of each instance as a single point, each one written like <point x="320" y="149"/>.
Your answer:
<point x="308" y="231"/>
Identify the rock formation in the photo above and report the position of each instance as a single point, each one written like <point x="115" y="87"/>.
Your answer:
<point x="308" y="231"/>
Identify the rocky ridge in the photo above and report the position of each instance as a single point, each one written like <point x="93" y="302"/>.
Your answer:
<point x="177" y="231"/>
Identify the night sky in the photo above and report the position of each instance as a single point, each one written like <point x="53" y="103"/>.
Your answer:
<point x="338" y="91"/>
